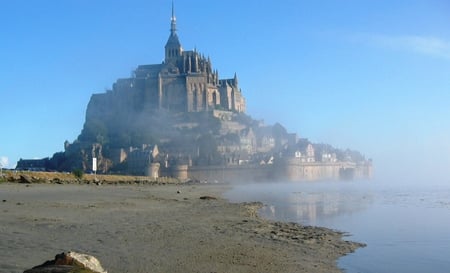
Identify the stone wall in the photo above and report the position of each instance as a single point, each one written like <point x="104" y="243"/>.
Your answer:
<point x="232" y="173"/>
<point x="290" y="170"/>
<point x="294" y="169"/>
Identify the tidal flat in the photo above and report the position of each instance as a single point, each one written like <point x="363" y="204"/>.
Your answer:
<point x="156" y="228"/>
<point x="404" y="223"/>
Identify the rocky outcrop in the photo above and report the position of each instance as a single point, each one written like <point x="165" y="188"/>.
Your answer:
<point x="25" y="179"/>
<point x="70" y="262"/>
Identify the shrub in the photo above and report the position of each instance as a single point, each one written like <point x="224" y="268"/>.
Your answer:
<point x="78" y="173"/>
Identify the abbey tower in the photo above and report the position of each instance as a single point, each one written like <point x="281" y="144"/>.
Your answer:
<point x="184" y="82"/>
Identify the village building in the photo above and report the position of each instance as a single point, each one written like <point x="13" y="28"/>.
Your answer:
<point x="142" y="160"/>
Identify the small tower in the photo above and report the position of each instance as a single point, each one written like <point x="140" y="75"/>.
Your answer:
<point x="173" y="45"/>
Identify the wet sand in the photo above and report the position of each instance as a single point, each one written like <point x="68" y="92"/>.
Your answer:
<point x="156" y="228"/>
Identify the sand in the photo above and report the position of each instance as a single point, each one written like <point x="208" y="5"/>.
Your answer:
<point x="156" y="228"/>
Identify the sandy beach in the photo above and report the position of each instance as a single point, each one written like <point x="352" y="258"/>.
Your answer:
<point x="156" y="228"/>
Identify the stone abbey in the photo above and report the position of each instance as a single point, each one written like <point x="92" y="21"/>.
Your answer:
<point x="184" y="82"/>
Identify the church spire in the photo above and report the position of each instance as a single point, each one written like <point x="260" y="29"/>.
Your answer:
<point x="173" y="22"/>
<point x="173" y="45"/>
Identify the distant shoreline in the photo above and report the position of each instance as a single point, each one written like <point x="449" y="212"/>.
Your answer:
<point x="163" y="227"/>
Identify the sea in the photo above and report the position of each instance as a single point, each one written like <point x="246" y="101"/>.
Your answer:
<point x="406" y="226"/>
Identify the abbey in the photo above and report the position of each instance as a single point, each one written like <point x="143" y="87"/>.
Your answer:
<point x="184" y="82"/>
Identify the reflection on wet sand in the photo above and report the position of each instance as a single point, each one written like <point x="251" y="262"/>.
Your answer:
<point x="397" y="223"/>
<point x="309" y="207"/>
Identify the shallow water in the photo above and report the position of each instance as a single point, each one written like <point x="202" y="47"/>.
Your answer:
<point x="406" y="227"/>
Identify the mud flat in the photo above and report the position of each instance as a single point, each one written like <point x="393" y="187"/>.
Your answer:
<point x="156" y="228"/>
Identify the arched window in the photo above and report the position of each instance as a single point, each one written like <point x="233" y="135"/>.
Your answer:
<point x="215" y="98"/>
<point x="194" y="100"/>
<point x="233" y="102"/>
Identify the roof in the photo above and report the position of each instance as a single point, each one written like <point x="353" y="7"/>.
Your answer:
<point x="173" y="41"/>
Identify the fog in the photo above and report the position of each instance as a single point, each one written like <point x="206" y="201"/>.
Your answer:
<point x="4" y="162"/>
<point x="410" y="161"/>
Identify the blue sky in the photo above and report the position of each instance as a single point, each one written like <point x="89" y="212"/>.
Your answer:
<point x="369" y="75"/>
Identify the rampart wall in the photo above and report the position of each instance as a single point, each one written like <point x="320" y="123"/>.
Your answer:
<point x="291" y="170"/>
<point x="232" y="173"/>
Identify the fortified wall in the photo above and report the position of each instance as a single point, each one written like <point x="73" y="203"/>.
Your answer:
<point x="237" y="173"/>
<point x="293" y="169"/>
<point x="289" y="170"/>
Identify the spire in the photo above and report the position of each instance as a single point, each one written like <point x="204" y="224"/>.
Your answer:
<point x="173" y="22"/>
<point x="173" y="45"/>
<point x="173" y="12"/>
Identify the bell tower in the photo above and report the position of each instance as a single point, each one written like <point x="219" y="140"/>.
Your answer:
<point x="173" y="45"/>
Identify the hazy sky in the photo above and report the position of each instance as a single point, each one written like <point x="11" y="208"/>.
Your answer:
<point x="369" y="75"/>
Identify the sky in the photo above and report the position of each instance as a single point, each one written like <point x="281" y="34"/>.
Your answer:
<point x="369" y="75"/>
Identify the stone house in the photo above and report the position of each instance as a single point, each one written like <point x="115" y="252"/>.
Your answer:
<point x="140" y="159"/>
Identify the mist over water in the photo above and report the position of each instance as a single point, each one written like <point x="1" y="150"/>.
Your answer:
<point x="405" y="225"/>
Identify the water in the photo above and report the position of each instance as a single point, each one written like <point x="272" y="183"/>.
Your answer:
<point x="406" y="227"/>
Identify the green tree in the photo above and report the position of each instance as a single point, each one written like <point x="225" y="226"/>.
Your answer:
<point x="78" y="173"/>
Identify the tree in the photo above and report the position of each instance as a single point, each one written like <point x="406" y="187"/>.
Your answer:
<point x="78" y="173"/>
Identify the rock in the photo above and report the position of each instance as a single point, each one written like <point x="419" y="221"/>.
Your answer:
<point x="206" y="197"/>
<point x="72" y="262"/>
<point x="87" y="261"/>
<point x="25" y="179"/>
<point x="52" y="269"/>
<point x="56" y="180"/>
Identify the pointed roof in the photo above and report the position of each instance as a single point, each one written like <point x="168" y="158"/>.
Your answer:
<point x="173" y="40"/>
